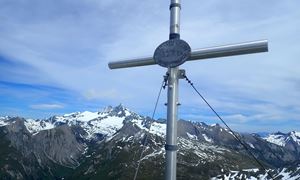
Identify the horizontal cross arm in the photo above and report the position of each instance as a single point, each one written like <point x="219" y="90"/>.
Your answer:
<point x="204" y="53"/>
<point x="230" y="50"/>
<point x="132" y="63"/>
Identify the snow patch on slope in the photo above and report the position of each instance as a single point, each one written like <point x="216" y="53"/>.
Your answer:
<point x="107" y="126"/>
<point x="276" y="139"/>
<point x="35" y="126"/>
<point x="251" y="145"/>
<point x="191" y="136"/>
<point x="295" y="136"/>
<point x="156" y="127"/>
<point x="207" y="138"/>
<point x="282" y="174"/>
<point x="3" y="121"/>
<point x="281" y="139"/>
<point x="87" y="116"/>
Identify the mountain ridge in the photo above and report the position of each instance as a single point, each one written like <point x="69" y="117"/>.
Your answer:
<point x="88" y="116"/>
<point x="106" y="144"/>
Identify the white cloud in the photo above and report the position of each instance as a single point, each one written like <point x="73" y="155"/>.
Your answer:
<point x="46" y="106"/>
<point x="100" y="94"/>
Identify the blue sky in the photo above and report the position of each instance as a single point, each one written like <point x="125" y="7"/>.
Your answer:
<point x="54" y="55"/>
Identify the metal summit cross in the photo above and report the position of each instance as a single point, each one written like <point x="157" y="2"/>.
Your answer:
<point x="171" y="54"/>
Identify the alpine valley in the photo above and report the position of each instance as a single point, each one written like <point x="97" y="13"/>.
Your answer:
<point x="107" y="145"/>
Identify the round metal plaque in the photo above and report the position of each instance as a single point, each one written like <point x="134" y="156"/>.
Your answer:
<point x="172" y="53"/>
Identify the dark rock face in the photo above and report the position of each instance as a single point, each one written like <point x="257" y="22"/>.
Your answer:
<point x="18" y="135"/>
<point x="58" y="145"/>
<point x="38" y="152"/>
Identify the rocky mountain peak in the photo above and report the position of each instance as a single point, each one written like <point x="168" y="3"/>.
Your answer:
<point x="294" y="133"/>
<point x="107" y="109"/>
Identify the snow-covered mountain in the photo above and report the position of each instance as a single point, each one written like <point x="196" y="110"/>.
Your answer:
<point x="107" y="144"/>
<point x="106" y="122"/>
<point x="4" y="120"/>
<point x="110" y="120"/>
<point x="284" y="139"/>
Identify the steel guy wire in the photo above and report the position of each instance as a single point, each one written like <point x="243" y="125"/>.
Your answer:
<point x="232" y="132"/>
<point x="163" y="85"/>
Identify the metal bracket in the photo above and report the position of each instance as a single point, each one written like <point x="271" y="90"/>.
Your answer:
<point x="181" y="73"/>
<point x="166" y="76"/>
<point x="175" y="5"/>
<point x="171" y="147"/>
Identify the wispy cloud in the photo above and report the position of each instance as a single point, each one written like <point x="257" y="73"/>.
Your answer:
<point x="100" y="94"/>
<point x="46" y="106"/>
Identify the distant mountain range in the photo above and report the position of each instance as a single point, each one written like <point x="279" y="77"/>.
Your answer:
<point x="107" y="144"/>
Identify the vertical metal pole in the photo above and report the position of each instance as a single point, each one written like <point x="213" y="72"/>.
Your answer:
<point x="171" y="137"/>
<point x="175" y="7"/>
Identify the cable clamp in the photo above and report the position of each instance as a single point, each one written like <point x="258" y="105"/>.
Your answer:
<point x="181" y="74"/>
<point x="166" y="77"/>
<point x="174" y="36"/>
<point x="171" y="147"/>
<point x="175" y="5"/>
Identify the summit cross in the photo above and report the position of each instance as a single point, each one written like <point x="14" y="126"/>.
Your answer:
<point x="172" y="53"/>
